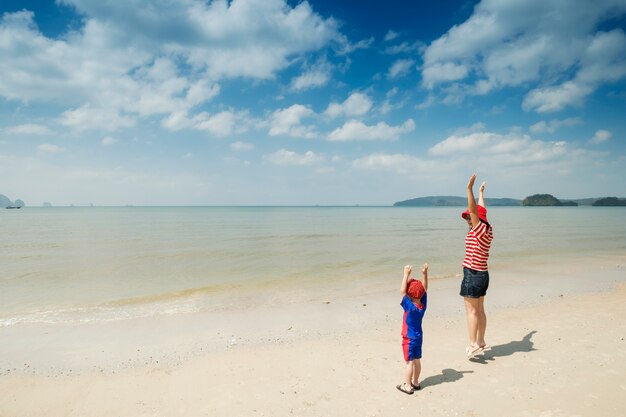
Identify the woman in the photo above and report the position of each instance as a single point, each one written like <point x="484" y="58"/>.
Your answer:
<point x="475" y="272"/>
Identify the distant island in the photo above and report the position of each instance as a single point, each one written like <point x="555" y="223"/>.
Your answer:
<point x="451" y="201"/>
<point x="610" y="202"/>
<point x="546" y="200"/>
<point x="7" y="203"/>
<point x="536" y="200"/>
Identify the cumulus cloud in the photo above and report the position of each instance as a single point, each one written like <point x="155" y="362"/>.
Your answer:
<point x="356" y="130"/>
<point x="400" y="68"/>
<point x="600" y="137"/>
<point x="514" y="148"/>
<point x="108" y="141"/>
<point x="221" y="124"/>
<point x="553" y="125"/>
<point x="29" y="129"/>
<point x="138" y="58"/>
<point x="511" y="43"/>
<point x="391" y="35"/>
<point x="286" y="157"/>
<point x="357" y="104"/>
<point x="316" y="76"/>
<point x="49" y="148"/>
<point x="400" y="163"/>
<point x="241" y="146"/>
<point x="289" y="122"/>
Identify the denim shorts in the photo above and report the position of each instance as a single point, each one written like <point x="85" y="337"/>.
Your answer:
<point x="475" y="283"/>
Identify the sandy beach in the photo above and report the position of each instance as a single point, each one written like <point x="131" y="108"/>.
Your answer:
<point x="558" y="349"/>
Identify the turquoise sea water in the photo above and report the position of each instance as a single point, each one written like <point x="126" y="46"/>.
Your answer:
<point x="110" y="263"/>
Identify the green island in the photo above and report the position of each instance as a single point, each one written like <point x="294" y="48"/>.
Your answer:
<point x="536" y="200"/>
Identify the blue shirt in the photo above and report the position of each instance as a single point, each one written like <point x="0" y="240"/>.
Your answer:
<point x="412" y="320"/>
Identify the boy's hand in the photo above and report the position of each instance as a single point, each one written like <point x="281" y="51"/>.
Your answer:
<point x="425" y="269"/>
<point x="407" y="270"/>
<point x="470" y="184"/>
<point x="482" y="187"/>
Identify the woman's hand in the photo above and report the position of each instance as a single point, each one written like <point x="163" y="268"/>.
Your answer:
<point x="470" y="184"/>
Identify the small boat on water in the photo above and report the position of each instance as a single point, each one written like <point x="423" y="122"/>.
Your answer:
<point x="13" y="207"/>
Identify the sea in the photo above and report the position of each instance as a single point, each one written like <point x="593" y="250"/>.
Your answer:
<point x="83" y="264"/>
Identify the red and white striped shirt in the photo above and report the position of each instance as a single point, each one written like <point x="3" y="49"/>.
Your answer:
<point x="477" y="244"/>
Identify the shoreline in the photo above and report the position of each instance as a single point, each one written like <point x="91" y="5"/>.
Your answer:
<point x="557" y="355"/>
<point x="297" y="313"/>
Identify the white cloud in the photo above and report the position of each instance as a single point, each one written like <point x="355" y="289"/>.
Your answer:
<point x="512" y="148"/>
<point x="508" y="43"/>
<point x="356" y="130"/>
<point x="391" y="35"/>
<point x="49" y="148"/>
<point x="29" y="129"/>
<point x="601" y="136"/>
<point x="241" y="146"/>
<point x="129" y="61"/>
<point x="310" y="79"/>
<point x="400" y="68"/>
<point x="285" y="157"/>
<point x="400" y="163"/>
<point x="443" y="72"/>
<point x="553" y="125"/>
<point x="316" y="76"/>
<point x="108" y="141"/>
<point x="221" y="124"/>
<point x="87" y="117"/>
<point x="289" y="122"/>
<point x="357" y="104"/>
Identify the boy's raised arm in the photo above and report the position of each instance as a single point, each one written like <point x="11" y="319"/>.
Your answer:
<point x="405" y="278"/>
<point x="425" y="276"/>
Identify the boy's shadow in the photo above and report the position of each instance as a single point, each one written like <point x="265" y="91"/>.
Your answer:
<point x="447" y="375"/>
<point x="524" y="345"/>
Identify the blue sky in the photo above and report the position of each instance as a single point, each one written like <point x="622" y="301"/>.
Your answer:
<point x="274" y="102"/>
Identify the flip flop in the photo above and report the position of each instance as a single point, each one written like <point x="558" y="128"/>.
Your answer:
<point x="470" y="353"/>
<point x="401" y="388"/>
<point x="416" y="387"/>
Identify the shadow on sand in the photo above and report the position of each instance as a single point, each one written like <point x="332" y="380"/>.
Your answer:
<point x="524" y="345"/>
<point x="447" y="375"/>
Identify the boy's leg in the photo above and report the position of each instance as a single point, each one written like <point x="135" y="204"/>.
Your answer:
<point x="471" y="310"/>
<point x="482" y="323"/>
<point x="409" y="375"/>
<point x="417" y="369"/>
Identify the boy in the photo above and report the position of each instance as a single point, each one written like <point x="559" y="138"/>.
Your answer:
<point x="414" y="305"/>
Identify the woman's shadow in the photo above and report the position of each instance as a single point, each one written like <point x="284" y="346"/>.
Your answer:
<point x="524" y="345"/>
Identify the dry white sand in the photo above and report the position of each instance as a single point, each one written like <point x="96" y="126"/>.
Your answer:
<point x="552" y="355"/>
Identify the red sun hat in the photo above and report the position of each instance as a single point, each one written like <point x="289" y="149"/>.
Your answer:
<point x="415" y="289"/>
<point x="482" y="213"/>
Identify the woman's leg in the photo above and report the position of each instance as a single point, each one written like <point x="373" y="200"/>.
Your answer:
<point x="482" y="323"/>
<point x="471" y="311"/>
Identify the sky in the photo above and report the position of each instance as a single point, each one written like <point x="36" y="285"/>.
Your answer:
<point x="325" y="102"/>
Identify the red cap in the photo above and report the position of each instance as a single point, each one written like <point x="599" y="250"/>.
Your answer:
<point x="482" y="213"/>
<point x="415" y="289"/>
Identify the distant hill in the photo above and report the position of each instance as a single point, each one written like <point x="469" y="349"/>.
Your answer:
<point x="546" y="200"/>
<point x="452" y="201"/>
<point x="610" y="202"/>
